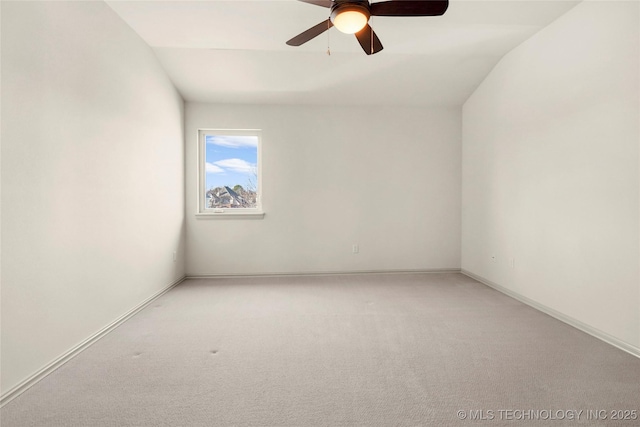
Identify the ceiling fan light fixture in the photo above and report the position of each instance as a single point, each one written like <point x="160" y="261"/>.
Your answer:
<point x="350" y="18"/>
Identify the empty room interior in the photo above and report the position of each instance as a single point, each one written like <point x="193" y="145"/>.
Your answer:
<point x="231" y="213"/>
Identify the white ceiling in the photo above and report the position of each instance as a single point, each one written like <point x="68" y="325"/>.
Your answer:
<point x="234" y="51"/>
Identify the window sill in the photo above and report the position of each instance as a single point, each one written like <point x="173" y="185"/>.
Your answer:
<point x="231" y="214"/>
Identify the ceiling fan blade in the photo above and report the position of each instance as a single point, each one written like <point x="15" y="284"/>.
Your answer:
<point x="368" y="40"/>
<point x="323" y="3"/>
<point x="410" y="8"/>
<point x="312" y="32"/>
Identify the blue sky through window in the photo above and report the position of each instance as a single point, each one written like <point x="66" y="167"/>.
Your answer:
<point x="231" y="160"/>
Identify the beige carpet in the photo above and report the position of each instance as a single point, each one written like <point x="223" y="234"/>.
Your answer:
<point x="351" y="350"/>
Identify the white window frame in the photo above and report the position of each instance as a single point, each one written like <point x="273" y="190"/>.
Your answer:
<point x="214" y="213"/>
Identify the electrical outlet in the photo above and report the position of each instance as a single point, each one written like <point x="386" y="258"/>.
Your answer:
<point x="175" y="256"/>
<point x="493" y="258"/>
<point x="355" y="249"/>
<point x="512" y="262"/>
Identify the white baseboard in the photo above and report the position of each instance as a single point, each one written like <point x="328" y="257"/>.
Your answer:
<point x="601" y="335"/>
<point x="319" y="273"/>
<point x="55" y="364"/>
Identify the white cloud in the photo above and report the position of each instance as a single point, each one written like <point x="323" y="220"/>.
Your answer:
<point x="236" y="165"/>
<point x="233" y="141"/>
<point x="211" y="168"/>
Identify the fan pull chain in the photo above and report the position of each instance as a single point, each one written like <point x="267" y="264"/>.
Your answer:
<point x="328" y="39"/>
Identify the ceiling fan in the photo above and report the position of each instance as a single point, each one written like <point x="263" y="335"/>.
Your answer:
<point x="352" y="17"/>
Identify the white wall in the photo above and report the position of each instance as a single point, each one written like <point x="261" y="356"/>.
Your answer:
<point x="385" y="178"/>
<point x="550" y="170"/>
<point x="92" y="178"/>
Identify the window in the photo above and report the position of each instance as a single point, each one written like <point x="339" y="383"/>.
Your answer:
<point x="229" y="172"/>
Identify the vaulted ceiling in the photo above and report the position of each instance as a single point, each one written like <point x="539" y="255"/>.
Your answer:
<point x="234" y="51"/>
